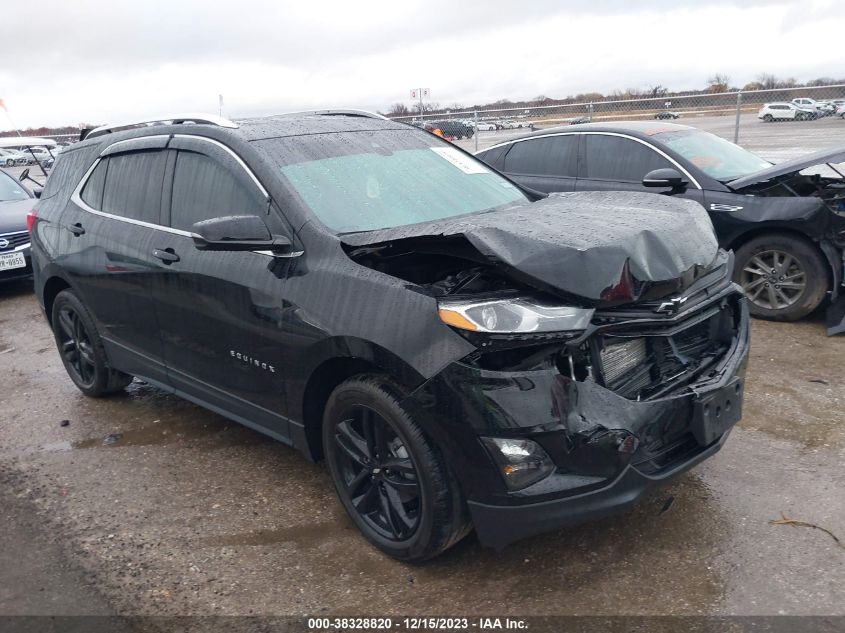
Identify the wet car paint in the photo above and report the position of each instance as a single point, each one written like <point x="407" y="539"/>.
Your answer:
<point x="304" y="314"/>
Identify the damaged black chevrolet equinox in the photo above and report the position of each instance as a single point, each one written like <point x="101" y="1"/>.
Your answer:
<point x="462" y="352"/>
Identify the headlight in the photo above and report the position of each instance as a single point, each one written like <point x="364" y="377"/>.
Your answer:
<point x="517" y="315"/>
<point x="521" y="462"/>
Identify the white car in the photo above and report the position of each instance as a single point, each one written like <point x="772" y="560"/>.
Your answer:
<point x="513" y="125"/>
<point x="12" y="158"/>
<point x="784" y="112"/>
<point x="839" y="106"/>
<point x="486" y="126"/>
<point x="822" y="107"/>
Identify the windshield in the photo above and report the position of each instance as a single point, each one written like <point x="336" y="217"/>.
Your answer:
<point x="713" y="155"/>
<point x="362" y="181"/>
<point x="10" y="189"/>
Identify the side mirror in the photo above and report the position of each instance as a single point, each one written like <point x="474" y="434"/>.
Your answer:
<point x="238" y="233"/>
<point x="24" y="174"/>
<point x="666" y="177"/>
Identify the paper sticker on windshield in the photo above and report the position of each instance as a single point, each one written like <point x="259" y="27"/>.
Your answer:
<point x="459" y="160"/>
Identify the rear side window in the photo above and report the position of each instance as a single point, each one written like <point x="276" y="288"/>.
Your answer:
<point x="205" y="189"/>
<point x="620" y="159"/>
<point x="550" y="156"/>
<point x="92" y="192"/>
<point x="71" y="165"/>
<point x="133" y="185"/>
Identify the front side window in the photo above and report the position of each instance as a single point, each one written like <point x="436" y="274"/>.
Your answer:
<point x="367" y="180"/>
<point x="10" y="189"/>
<point x="549" y="156"/>
<point x="620" y="159"/>
<point x="205" y="189"/>
<point x="133" y="185"/>
<point x="716" y="157"/>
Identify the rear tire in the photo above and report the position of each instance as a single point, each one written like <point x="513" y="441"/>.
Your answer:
<point x="784" y="277"/>
<point x="390" y="477"/>
<point x="81" y="348"/>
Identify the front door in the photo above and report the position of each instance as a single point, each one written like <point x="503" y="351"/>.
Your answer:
<point x="617" y="163"/>
<point x="222" y="313"/>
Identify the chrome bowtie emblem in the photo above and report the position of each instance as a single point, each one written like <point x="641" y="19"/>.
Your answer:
<point x="671" y="306"/>
<point x="3" y="242"/>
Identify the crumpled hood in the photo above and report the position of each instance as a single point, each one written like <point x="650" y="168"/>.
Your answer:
<point x="13" y="215"/>
<point x="823" y="157"/>
<point x="584" y="244"/>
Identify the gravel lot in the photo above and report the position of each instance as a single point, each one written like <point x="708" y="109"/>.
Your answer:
<point x="168" y="509"/>
<point x="152" y="505"/>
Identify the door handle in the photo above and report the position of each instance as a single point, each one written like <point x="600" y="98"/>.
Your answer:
<point x="76" y="229"/>
<point x="167" y="255"/>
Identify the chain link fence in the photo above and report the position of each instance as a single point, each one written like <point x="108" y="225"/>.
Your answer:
<point x="769" y="121"/>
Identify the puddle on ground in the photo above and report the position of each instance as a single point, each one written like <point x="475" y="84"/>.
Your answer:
<point x="213" y="434"/>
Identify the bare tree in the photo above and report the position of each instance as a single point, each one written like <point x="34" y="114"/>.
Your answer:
<point x="719" y="82"/>
<point x="398" y="109"/>
<point x="656" y="90"/>
<point x="768" y="81"/>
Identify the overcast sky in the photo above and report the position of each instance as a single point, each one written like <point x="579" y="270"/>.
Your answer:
<point x="97" y="61"/>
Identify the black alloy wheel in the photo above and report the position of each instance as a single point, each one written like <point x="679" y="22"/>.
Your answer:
<point x="75" y="347"/>
<point x="81" y="348"/>
<point x="390" y="476"/>
<point x="380" y="476"/>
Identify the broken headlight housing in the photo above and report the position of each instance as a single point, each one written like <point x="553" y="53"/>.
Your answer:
<point x="516" y="315"/>
<point x="521" y="462"/>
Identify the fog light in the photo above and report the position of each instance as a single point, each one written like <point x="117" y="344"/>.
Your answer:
<point x="521" y="462"/>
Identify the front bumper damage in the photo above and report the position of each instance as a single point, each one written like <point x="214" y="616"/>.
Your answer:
<point x="608" y="449"/>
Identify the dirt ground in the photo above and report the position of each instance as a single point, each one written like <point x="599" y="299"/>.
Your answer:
<point x="165" y="508"/>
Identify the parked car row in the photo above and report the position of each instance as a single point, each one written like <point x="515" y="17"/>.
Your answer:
<point x="802" y="109"/>
<point x="14" y="156"/>
<point x="482" y="126"/>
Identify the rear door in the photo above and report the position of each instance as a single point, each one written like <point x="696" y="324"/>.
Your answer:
<point x="112" y="220"/>
<point x="222" y="313"/>
<point x="546" y="163"/>
<point x="612" y="162"/>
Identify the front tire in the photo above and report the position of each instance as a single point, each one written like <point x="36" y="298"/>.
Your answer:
<point x="390" y="477"/>
<point x="81" y="348"/>
<point x="768" y="118"/>
<point x="784" y="277"/>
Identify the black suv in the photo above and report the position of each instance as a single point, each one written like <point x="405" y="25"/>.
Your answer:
<point x="786" y="224"/>
<point x="460" y="353"/>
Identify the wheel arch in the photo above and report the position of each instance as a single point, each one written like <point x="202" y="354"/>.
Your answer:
<point x="52" y="287"/>
<point x="339" y="360"/>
